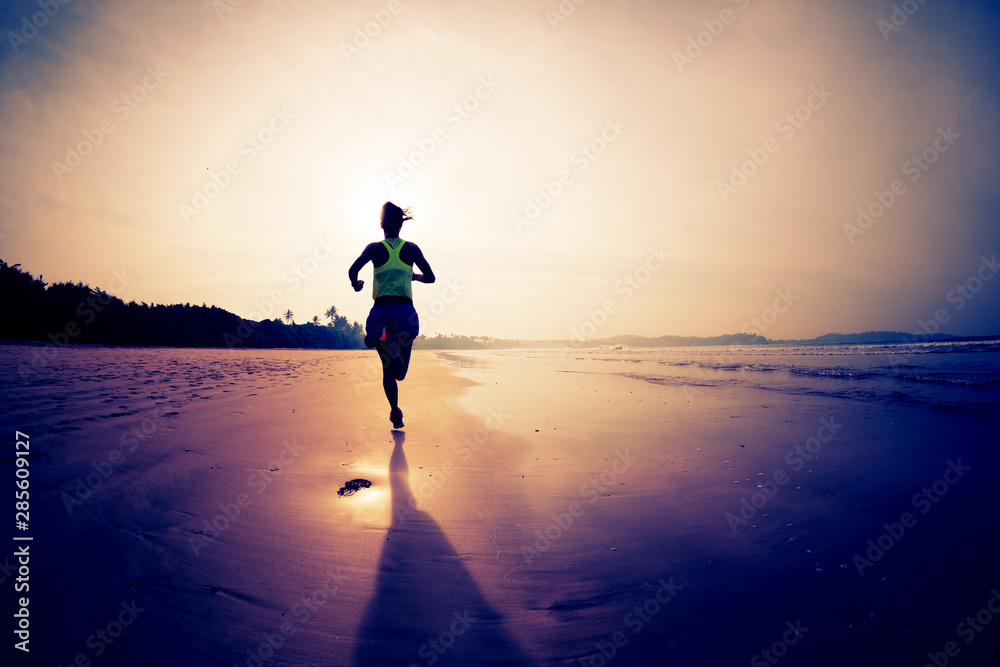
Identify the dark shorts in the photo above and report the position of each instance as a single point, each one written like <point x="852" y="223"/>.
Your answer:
<point x="398" y="321"/>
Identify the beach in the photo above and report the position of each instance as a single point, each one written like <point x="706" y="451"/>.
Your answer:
<point x="573" y="507"/>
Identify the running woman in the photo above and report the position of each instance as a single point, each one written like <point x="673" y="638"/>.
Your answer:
<point x="392" y="323"/>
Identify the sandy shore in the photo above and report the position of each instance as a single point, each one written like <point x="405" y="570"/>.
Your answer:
<point x="202" y="488"/>
<point x="185" y="510"/>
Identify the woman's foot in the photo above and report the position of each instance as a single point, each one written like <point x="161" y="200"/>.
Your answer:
<point x="371" y="341"/>
<point x="396" y="417"/>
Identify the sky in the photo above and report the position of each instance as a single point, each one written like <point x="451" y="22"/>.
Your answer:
<point x="582" y="168"/>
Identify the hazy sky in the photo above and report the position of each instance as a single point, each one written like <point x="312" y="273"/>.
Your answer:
<point x="607" y="167"/>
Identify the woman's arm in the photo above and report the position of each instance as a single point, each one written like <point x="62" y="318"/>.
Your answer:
<point x="421" y="263"/>
<point x="359" y="263"/>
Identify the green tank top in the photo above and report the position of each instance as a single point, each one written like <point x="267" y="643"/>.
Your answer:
<point x="395" y="277"/>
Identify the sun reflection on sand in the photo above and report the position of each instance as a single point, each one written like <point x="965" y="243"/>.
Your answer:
<point x="370" y="507"/>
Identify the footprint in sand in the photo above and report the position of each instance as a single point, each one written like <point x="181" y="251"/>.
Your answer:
<point x="349" y="488"/>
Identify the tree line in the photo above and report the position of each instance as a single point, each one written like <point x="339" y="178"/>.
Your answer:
<point x="64" y="313"/>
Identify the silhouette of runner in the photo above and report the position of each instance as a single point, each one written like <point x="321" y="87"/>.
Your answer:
<point x="392" y="323"/>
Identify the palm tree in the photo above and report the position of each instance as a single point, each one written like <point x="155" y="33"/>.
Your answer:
<point x="288" y="316"/>
<point x="315" y="320"/>
<point x="331" y="312"/>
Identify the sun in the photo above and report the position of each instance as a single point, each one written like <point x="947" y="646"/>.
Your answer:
<point x="364" y="205"/>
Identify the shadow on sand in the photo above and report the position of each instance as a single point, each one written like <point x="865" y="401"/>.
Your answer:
<point x="427" y="609"/>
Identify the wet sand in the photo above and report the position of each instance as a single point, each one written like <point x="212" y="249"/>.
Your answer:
<point x="185" y="510"/>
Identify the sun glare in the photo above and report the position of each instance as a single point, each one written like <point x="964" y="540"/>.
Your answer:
<point x="365" y="206"/>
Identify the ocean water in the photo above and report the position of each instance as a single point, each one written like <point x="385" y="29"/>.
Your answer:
<point x="823" y="547"/>
<point x="961" y="376"/>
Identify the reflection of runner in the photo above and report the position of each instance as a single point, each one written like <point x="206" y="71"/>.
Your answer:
<point x="392" y="324"/>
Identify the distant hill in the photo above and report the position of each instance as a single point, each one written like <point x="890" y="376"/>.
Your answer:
<point x="684" y="341"/>
<point x="441" y="342"/>
<point x="454" y="342"/>
<point x="867" y="338"/>
<point x="64" y="313"/>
